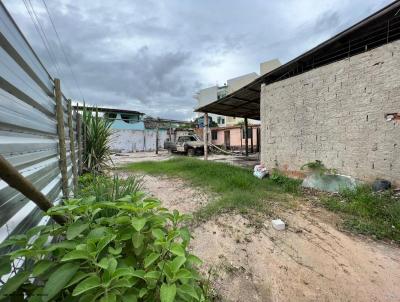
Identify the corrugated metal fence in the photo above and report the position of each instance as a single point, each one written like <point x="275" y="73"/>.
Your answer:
<point x="28" y="129"/>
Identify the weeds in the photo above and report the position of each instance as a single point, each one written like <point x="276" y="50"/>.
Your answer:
<point x="108" y="188"/>
<point x="367" y="212"/>
<point x="236" y="188"/>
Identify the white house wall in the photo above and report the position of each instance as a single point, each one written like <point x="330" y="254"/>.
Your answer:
<point x="123" y="140"/>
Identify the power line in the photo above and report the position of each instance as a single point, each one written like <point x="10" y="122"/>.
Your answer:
<point x="58" y="67"/>
<point x="43" y="36"/>
<point x="62" y="49"/>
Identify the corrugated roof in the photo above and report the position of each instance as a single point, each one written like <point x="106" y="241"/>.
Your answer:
<point x="380" y="28"/>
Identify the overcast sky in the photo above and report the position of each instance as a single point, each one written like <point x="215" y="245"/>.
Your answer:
<point x="153" y="55"/>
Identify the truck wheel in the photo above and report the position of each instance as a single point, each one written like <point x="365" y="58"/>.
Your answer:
<point x="190" y="152"/>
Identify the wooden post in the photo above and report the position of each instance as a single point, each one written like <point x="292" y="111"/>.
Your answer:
<point x="79" y="135"/>
<point x="83" y="139"/>
<point x="251" y="140"/>
<point x="72" y="148"/>
<point x="258" y="139"/>
<point x="157" y="137"/>
<point x="246" y="136"/>
<point x="205" y="136"/>
<point x="61" y="138"/>
<point x="15" y="180"/>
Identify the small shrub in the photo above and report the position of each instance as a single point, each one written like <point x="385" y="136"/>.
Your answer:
<point x="318" y="167"/>
<point x="138" y="254"/>
<point x="103" y="187"/>
<point x="97" y="153"/>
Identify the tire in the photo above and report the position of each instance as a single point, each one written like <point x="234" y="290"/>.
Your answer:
<point x="190" y="152"/>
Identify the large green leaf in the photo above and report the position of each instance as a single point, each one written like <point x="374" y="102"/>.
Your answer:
<point x="68" y="245"/>
<point x="41" y="267"/>
<point x="167" y="292"/>
<point x="75" y="229"/>
<point x="150" y="259"/>
<point x="5" y="265"/>
<point x="152" y="275"/>
<point x="177" y="249"/>
<point x="176" y="264"/>
<point x="76" y="254"/>
<point x="111" y="297"/>
<point x="194" y="259"/>
<point x="137" y="240"/>
<point x="138" y="223"/>
<point x="87" y="284"/>
<point x="158" y="234"/>
<point x="183" y="274"/>
<point x="13" y="284"/>
<point x="188" y="290"/>
<point x="58" y="280"/>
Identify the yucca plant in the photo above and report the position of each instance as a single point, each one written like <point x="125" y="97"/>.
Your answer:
<point x="98" y="132"/>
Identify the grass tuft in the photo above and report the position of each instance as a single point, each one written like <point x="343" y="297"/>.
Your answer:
<point x="367" y="212"/>
<point x="236" y="187"/>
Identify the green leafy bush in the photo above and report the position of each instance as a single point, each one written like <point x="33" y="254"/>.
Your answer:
<point x="138" y="254"/>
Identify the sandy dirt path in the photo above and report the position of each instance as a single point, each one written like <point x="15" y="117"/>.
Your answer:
<point x="310" y="261"/>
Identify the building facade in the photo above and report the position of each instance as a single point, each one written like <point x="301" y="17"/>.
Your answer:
<point x="343" y="114"/>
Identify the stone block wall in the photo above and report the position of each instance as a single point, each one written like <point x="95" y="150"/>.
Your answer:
<point x="336" y="114"/>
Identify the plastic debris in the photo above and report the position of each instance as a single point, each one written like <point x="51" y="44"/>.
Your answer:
<point x="381" y="185"/>
<point x="329" y="182"/>
<point x="260" y="171"/>
<point x="278" y="224"/>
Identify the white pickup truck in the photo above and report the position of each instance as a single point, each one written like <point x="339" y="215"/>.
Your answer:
<point x="189" y="144"/>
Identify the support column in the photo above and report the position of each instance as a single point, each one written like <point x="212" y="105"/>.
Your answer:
<point x="61" y="138"/>
<point x="246" y="136"/>
<point x="205" y="135"/>
<point x="251" y="140"/>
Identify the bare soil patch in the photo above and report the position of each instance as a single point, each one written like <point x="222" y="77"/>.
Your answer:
<point x="310" y="261"/>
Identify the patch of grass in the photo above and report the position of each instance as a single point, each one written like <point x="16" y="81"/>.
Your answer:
<point x="367" y="212"/>
<point x="236" y="188"/>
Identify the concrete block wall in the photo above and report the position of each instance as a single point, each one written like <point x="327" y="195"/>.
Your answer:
<point x="336" y="114"/>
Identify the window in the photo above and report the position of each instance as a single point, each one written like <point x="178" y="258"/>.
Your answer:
<point x="249" y="133"/>
<point x="214" y="134"/>
<point x="219" y="120"/>
<point x="129" y="118"/>
<point x="222" y="121"/>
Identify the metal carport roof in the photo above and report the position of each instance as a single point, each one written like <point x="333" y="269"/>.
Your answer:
<point x="380" y="28"/>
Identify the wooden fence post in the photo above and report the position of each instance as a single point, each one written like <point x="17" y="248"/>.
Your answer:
<point x="205" y="136"/>
<point x="17" y="181"/>
<point x="61" y="138"/>
<point x="79" y="135"/>
<point x="72" y="147"/>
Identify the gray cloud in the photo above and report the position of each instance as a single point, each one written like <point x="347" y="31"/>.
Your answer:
<point x="152" y="56"/>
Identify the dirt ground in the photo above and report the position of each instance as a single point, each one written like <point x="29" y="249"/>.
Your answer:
<point x="120" y="159"/>
<point x="247" y="260"/>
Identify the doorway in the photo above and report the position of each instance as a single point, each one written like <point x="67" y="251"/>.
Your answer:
<point x="227" y="139"/>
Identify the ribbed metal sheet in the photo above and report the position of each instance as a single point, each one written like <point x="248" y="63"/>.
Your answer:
<point x="28" y="129"/>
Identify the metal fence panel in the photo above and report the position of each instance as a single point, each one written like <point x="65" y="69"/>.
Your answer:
<point x="28" y="129"/>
